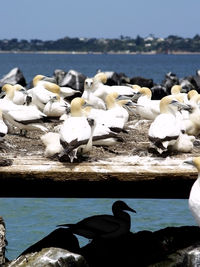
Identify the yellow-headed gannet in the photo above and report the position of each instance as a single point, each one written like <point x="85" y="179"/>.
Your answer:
<point x="56" y="107"/>
<point x="167" y="127"/>
<point x="147" y="108"/>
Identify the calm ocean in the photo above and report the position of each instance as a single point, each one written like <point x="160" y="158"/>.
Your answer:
<point x="28" y="220"/>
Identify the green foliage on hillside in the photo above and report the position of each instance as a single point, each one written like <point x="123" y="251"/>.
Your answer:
<point x="123" y="44"/>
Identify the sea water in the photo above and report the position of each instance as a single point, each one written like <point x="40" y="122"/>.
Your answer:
<point x="28" y="220"/>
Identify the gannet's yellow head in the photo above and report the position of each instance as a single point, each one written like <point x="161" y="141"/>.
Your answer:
<point x="194" y="162"/>
<point x="37" y="78"/>
<point x="176" y="89"/>
<point x="77" y="106"/>
<point x="9" y="90"/>
<point x="135" y="87"/>
<point x="171" y="102"/>
<point x="111" y="100"/>
<point x="101" y="77"/>
<point x="52" y="87"/>
<point x="192" y="95"/>
<point x="145" y="91"/>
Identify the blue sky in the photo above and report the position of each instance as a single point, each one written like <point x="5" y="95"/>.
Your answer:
<point x="54" y="19"/>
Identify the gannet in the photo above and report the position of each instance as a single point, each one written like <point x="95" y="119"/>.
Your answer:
<point x="167" y="127"/>
<point x="147" y="109"/>
<point x="90" y="97"/>
<point x="191" y="119"/>
<point x="115" y="116"/>
<point x="3" y="127"/>
<point x="25" y="118"/>
<point x="76" y="132"/>
<point x="56" y="107"/>
<point x="42" y="92"/>
<point x="52" y="144"/>
<point x="99" y="81"/>
<point x="21" y="116"/>
<point x="15" y="93"/>
<point x="194" y="197"/>
<point x="51" y="84"/>
<point x="104" y="226"/>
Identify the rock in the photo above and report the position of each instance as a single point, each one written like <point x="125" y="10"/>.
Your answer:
<point x="158" y="92"/>
<point x="13" y="77"/>
<point x="60" y="238"/>
<point x="196" y="82"/>
<point x="170" y="80"/>
<point x="3" y="241"/>
<point x="115" y="78"/>
<point x="49" y="257"/>
<point x="74" y="79"/>
<point x="143" y="82"/>
<point x="59" y="75"/>
<point x="143" y="248"/>
<point x="186" y="84"/>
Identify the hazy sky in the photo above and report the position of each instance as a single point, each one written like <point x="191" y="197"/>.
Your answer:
<point x="54" y="19"/>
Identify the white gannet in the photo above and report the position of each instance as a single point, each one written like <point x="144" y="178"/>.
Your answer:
<point x="42" y="92"/>
<point x="76" y="132"/>
<point x="25" y="118"/>
<point x="15" y="93"/>
<point x="191" y="119"/>
<point x="51" y="84"/>
<point x="90" y="97"/>
<point x="177" y="90"/>
<point x="56" y="107"/>
<point x="3" y="127"/>
<point x="102" y="90"/>
<point x="116" y="114"/>
<point x="147" y="108"/>
<point x="167" y="127"/>
<point x="194" y="197"/>
<point x="52" y="144"/>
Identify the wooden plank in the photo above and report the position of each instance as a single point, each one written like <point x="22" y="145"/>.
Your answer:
<point x="125" y="177"/>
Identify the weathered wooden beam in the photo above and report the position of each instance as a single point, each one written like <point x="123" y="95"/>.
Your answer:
<point x="39" y="177"/>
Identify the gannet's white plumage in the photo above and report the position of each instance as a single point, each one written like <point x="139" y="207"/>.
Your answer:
<point x="56" y="107"/>
<point x="167" y="127"/>
<point x="115" y="116"/>
<point x="102" y="90"/>
<point x="192" y="119"/>
<point x="42" y="91"/>
<point x="194" y="197"/>
<point x="3" y="127"/>
<point x="76" y="132"/>
<point x="15" y="93"/>
<point x="90" y="97"/>
<point x="52" y="144"/>
<point x="147" y="109"/>
<point x="21" y="116"/>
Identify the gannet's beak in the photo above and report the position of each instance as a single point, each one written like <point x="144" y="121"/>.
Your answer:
<point x="49" y="79"/>
<point x="136" y="96"/>
<point x="190" y="162"/>
<point x="181" y="105"/>
<point x="123" y="97"/>
<point x="87" y="105"/>
<point x="2" y="94"/>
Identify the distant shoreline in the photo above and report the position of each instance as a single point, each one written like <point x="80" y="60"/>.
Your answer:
<point x="100" y="53"/>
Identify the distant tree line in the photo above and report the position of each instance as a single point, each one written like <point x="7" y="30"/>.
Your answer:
<point x="123" y="44"/>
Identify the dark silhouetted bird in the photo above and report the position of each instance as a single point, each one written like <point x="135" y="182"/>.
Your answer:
<point x="104" y="226"/>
